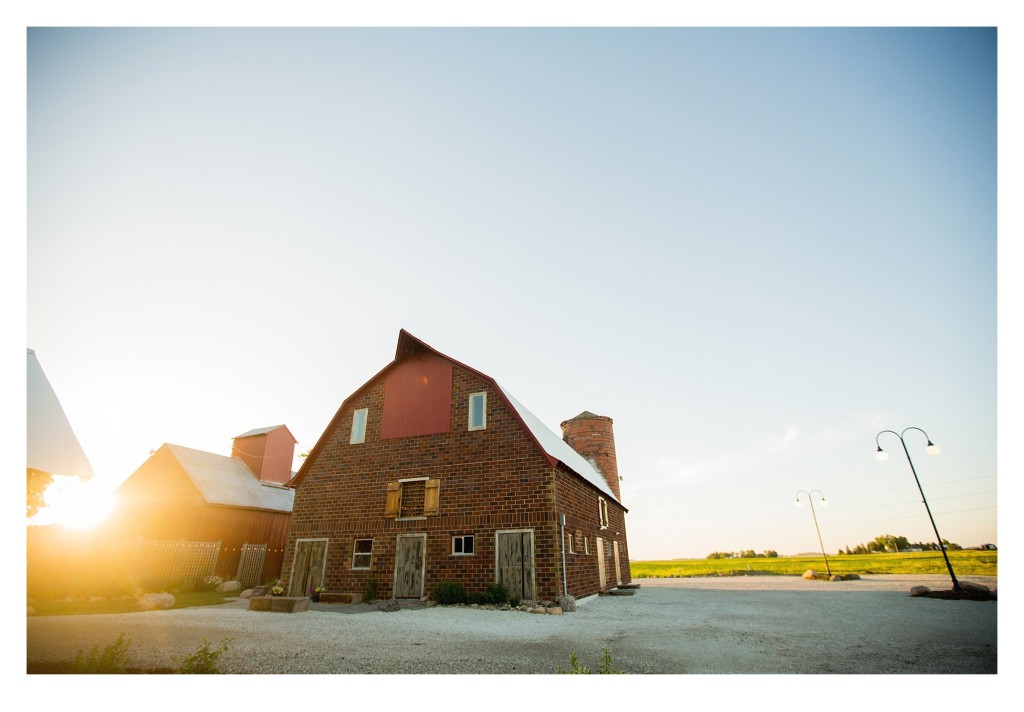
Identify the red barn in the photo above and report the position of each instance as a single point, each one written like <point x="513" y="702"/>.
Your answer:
<point x="182" y="494"/>
<point x="432" y="471"/>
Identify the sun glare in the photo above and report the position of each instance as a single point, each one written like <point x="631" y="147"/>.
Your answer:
<point x="73" y="504"/>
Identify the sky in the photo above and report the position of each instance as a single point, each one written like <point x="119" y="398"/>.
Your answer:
<point x="753" y="248"/>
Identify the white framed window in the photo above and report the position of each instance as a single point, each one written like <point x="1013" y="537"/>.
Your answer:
<point x="358" y="427"/>
<point x="586" y="545"/>
<point x="602" y="510"/>
<point x="571" y="543"/>
<point x="478" y="411"/>
<point x="362" y="553"/>
<point x="463" y="545"/>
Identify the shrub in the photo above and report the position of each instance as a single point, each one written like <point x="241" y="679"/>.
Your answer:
<point x="477" y="597"/>
<point x="449" y="593"/>
<point x="204" y="661"/>
<point x="496" y="593"/>
<point x="110" y="661"/>
<point x="370" y="591"/>
<point x="514" y="601"/>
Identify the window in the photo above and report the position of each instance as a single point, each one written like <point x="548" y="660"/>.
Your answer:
<point x="462" y="545"/>
<point x="358" y="427"/>
<point x="602" y="509"/>
<point x="414" y="498"/>
<point x="478" y="411"/>
<point x="362" y="553"/>
<point x="572" y="543"/>
<point x="586" y="545"/>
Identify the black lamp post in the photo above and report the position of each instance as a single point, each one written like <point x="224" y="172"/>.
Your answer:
<point x="933" y="450"/>
<point x="815" y="516"/>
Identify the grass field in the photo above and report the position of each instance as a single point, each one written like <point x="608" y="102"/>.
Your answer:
<point x="967" y="563"/>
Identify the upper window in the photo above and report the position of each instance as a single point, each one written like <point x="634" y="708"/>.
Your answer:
<point x="358" y="426"/>
<point x="414" y="498"/>
<point x="572" y="543"/>
<point x="478" y="411"/>
<point x="602" y="508"/>
<point x="586" y="545"/>
<point x="462" y="545"/>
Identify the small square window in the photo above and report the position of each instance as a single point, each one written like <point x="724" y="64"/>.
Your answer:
<point x="462" y="545"/>
<point x="478" y="411"/>
<point x="362" y="552"/>
<point x="358" y="427"/>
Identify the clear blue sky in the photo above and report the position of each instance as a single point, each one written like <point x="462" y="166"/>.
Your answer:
<point x="752" y="248"/>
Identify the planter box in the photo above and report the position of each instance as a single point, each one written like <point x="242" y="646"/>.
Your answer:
<point x="279" y="604"/>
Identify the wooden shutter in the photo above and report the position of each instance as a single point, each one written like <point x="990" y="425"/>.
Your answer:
<point x="431" y="497"/>
<point x="394" y="499"/>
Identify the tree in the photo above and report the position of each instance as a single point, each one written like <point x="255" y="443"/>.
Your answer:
<point x="35" y="488"/>
<point x="771" y="553"/>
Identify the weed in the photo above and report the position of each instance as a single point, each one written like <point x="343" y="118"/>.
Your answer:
<point x="607" y="666"/>
<point x="204" y="661"/>
<point x="575" y="666"/>
<point x="370" y="592"/>
<point x="110" y="661"/>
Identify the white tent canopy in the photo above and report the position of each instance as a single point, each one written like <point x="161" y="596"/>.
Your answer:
<point x="52" y="445"/>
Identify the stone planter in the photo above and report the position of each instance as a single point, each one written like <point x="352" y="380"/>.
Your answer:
<point x="279" y="604"/>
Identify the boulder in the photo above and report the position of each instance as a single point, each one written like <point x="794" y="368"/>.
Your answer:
<point x="539" y="609"/>
<point x="920" y="591"/>
<point x="567" y="603"/>
<point x="974" y="587"/>
<point x="835" y="577"/>
<point x="556" y="611"/>
<point x="809" y="574"/>
<point x="228" y="586"/>
<point x="389" y="606"/>
<point x="155" y="601"/>
<point x="851" y="577"/>
<point x="247" y="593"/>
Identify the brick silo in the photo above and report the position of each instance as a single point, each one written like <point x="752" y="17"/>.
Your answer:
<point x="591" y="436"/>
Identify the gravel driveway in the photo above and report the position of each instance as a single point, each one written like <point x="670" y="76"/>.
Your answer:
<point x="762" y="624"/>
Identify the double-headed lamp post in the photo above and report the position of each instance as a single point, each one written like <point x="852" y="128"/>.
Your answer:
<point x="933" y="450"/>
<point x="815" y="516"/>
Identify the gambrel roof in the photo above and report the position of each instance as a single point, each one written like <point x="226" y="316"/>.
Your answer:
<point x="228" y="481"/>
<point x="550" y="445"/>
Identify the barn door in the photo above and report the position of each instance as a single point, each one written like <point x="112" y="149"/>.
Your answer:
<point x="308" y="567"/>
<point x="618" y="568"/>
<point x="602" y="579"/>
<point x="515" y="563"/>
<point x="410" y="561"/>
<point x="250" y="564"/>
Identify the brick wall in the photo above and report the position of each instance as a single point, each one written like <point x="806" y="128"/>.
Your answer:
<point x="490" y="480"/>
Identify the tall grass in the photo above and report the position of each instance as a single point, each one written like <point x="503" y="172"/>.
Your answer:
<point x="967" y="563"/>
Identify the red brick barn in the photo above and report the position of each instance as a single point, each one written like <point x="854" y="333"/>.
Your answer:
<point x="432" y="471"/>
<point x="183" y="494"/>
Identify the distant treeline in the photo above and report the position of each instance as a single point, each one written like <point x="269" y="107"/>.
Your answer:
<point x="896" y="544"/>
<point x="744" y="554"/>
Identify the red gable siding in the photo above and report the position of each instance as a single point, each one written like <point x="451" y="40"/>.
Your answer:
<point x="417" y="398"/>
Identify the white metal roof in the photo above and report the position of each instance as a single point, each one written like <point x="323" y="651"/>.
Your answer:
<point x="52" y="446"/>
<point x="558" y="448"/>
<point x="227" y="481"/>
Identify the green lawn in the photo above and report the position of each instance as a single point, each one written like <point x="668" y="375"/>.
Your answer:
<point x="976" y="563"/>
<point x="123" y="605"/>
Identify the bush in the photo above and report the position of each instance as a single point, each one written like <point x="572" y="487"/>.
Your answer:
<point x="514" y="601"/>
<point x="110" y="661"/>
<point x="477" y="597"/>
<point x="496" y="593"/>
<point x="204" y="661"/>
<point x="370" y="591"/>
<point x="448" y="593"/>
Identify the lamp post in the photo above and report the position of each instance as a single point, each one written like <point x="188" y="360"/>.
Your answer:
<point x="815" y="516"/>
<point x="933" y="450"/>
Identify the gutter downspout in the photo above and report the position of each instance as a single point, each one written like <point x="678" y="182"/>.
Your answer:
<point x="565" y="580"/>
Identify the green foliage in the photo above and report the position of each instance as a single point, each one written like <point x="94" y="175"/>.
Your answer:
<point x="204" y="661"/>
<point x="477" y="597"/>
<point x="496" y="593"/>
<point x="35" y="486"/>
<point x="449" y="593"/>
<point x="110" y="661"/>
<point x="370" y="591"/>
<point x="771" y="554"/>
<point x="514" y="601"/>
<point x="606" y="666"/>
<point x="575" y="667"/>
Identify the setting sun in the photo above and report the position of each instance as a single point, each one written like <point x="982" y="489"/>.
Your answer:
<point x="74" y="504"/>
